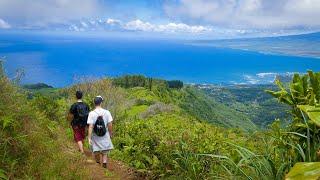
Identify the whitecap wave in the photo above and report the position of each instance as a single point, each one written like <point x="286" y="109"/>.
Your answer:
<point x="266" y="77"/>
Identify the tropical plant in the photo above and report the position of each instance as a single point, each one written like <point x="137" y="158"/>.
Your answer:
<point x="299" y="140"/>
<point x="303" y="90"/>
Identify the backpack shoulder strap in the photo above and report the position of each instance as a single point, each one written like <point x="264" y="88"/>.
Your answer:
<point x="98" y="113"/>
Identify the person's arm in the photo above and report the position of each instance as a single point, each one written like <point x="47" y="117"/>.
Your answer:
<point x="70" y="114"/>
<point x="110" y="119"/>
<point x="90" y="128"/>
<point x="110" y="129"/>
<point x="90" y="133"/>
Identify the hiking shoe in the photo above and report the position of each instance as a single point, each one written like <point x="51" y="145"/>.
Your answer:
<point x="104" y="165"/>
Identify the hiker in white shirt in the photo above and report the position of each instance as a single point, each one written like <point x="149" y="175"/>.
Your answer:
<point x="100" y="131"/>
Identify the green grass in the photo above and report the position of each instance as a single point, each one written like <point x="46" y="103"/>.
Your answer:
<point x="135" y="111"/>
<point x="142" y="93"/>
<point x="109" y="173"/>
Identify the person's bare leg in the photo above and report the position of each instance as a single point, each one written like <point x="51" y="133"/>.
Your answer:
<point x="101" y="159"/>
<point x="80" y="145"/>
<point x="104" y="160"/>
<point x="96" y="156"/>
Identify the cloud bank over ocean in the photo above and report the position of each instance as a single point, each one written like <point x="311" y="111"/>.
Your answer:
<point x="137" y="25"/>
<point x="248" y="13"/>
<point x="211" y="17"/>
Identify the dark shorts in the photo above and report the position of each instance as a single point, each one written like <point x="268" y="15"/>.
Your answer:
<point x="79" y="133"/>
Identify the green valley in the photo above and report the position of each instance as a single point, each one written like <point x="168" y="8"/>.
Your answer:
<point x="251" y="101"/>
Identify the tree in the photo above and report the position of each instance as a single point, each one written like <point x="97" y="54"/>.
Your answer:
<point x="176" y="84"/>
<point x="150" y="84"/>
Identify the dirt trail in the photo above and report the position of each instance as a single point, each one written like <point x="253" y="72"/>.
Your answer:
<point x="115" y="170"/>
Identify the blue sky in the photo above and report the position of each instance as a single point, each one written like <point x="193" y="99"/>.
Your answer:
<point x="209" y="18"/>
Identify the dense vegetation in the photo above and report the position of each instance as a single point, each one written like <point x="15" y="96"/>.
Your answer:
<point x="250" y="101"/>
<point x="160" y="130"/>
<point x="201" y="106"/>
<point x="130" y="81"/>
<point x="33" y="142"/>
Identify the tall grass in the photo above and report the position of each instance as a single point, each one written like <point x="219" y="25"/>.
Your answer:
<point x="33" y="144"/>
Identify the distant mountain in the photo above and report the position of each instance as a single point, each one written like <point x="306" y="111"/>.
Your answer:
<point x="305" y="45"/>
<point x="36" y="86"/>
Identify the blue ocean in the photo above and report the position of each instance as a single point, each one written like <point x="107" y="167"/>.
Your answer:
<point x="59" y="60"/>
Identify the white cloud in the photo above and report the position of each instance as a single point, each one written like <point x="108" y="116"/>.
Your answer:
<point x="138" y="25"/>
<point x="4" y="24"/>
<point x="173" y="27"/>
<point x="113" y="21"/>
<point x="40" y="13"/>
<point x="266" y="14"/>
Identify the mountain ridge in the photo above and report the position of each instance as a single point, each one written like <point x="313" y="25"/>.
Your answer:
<point x="302" y="45"/>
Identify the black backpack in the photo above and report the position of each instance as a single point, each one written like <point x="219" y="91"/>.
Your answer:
<point x="82" y="114"/>
<point x="100" y="127"/>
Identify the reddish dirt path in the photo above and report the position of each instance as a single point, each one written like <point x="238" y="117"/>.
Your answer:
<point x="115" y="170"/>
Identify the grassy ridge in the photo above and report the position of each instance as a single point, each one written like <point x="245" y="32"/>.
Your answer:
<point x="33" y="143"/>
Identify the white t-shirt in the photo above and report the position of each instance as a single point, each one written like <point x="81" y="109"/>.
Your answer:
<point x="93" y="115"/>
<point x="100" y="143"/>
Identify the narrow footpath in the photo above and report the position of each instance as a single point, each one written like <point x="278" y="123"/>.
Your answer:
<point x="116" y="170"/>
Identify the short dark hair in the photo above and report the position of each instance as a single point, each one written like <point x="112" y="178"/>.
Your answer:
<point x="98" y="100"/>
<point x="79" y="94"/>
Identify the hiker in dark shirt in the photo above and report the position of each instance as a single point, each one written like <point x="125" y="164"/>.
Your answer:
<point x="78" y="115"/>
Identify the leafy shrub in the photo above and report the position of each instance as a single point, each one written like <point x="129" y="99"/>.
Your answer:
<point x="167" y="145"/>
<point x="156" y="109"/>
<point x="139" y="102"/>
<point x="114" y="97"/>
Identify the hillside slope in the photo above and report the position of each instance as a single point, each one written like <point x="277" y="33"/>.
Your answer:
<point x="251" y="101"/>
<point x="189" y="99"/>
<point x="205" y="108"/>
